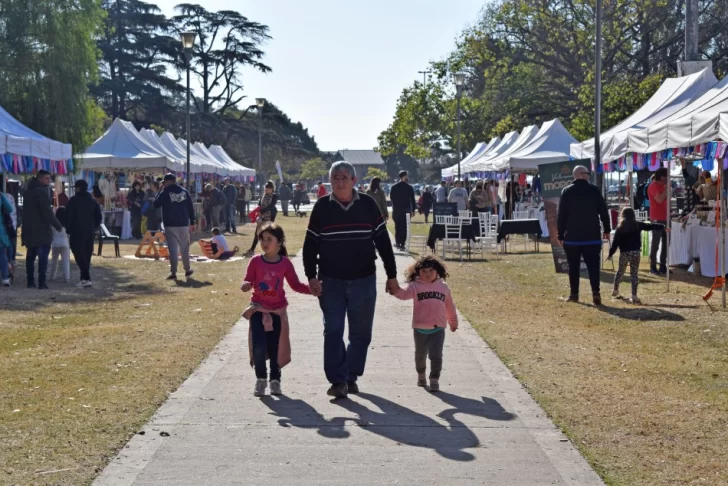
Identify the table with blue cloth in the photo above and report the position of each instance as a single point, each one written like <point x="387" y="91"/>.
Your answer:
<point x="469" y="232"/>
<point x="519" y="227"/>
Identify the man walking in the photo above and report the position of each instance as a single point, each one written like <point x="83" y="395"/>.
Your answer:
<point x="240" y="201"/>
<point x="284" y="194"/>
<point x="402" y="196"/>
<point x="216" y="203"/>
<point x="344" y="229"/>
<point x="441" y="193"/>
<point x="83" y="216"/>
<point x="657" y="195"/>
<point x="459" y="195"/>
<point x="36" y="233"/>
<point x="178" y="216"/>
<point x="580" y="209"/>
<point x="231" y="195"/>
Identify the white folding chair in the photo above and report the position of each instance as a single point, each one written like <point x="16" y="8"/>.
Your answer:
<point x="488" y="235"/>
<point x="453" y="236"/>
<point x="440" y="219"/>
<point x="641" y="215"/>
<point x="521" y="215"/>
<point x="465" y="214"/>
<point x="422" y="239"/>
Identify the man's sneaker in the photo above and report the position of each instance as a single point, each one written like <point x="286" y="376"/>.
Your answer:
<point x="338" y="390"/>
<point x="352" y="387"/>
<point x="615" y="293"/>
<point x="87" y="283"/>
<point x="635" y="300"/>
<point x="663" y="269"/>
<point x="189" y="273"/>
<point x="260" y="385"/>
<point x="6" y="282"/>
<point x="42" y="286"/>
<point x="653" y="271"/>
<point x="172" y="276"/>
<point x="31" y="285"/>
<point x="571" y="298"/>
<point x="434" y="385"/>
<point x="597" y="299"/>
<point x="275" y="387"/>
<point x="421" y="380"/>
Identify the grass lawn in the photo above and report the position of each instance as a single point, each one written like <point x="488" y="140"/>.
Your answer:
<point x="83" y="369"/>
<point x="641" y="390"/>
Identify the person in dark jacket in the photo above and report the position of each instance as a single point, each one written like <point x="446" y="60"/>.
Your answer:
<point x="284" y="194"/>
<point x="83" y="216"/>
<point x="216" y="203"/>
<point x="402" y="196"/>
<point x="231" y="196"/>
<point x="135" y="201"/>
<point x="37" y="236"/>
<point x="154" y="215"/>
<point x="178" y="216"/>
<point x="427" y="201"/>
<point x="299" y="196"/>
<point x="580" y="209"/>
<point x="267" y="213"/>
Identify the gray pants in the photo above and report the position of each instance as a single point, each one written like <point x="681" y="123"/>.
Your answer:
<point x="429" y="344"/>
<point x="178" y="241"/>
<point x="216" y="215"/>
<point x="284" y="207"/>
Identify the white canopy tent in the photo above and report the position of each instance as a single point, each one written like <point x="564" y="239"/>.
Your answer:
<point x="222" y="155"/>
<point x="122" y="148"/>
<point x="486" y="164"/>
<point x="481" y="148"/>
<point x="671" y="97"/>
<point x="200" y="164"/>
<point x="505" y="144"/>
<point x="232" y="168"/>
<point x="17" y="139"/>
<point x="550" y="144"/>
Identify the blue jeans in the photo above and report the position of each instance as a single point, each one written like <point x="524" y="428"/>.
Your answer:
<point x="42" y="253"/>
<point x="4" y="253"/>
<point x="265" y="344"/>
<point x="230" y="217"/>
<point x="356" y="300"/>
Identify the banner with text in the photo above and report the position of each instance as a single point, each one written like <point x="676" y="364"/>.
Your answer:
<point x="554" y="178"/>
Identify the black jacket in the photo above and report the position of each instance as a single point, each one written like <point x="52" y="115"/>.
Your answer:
<point x="580" y="209"/>
<point x="177" y="207"/>
<point x="231" y="194"/>
<point x="83" y="216"/>
<point x="217" y="197"/>
<point x="632" y="240"/>
<point x="38" y="216"/>
<point x="402" y="196"/>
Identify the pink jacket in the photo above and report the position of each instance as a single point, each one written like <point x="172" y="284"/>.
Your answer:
<point x="433" y="307"/>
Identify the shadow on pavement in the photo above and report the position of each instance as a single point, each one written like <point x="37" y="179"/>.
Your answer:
<point x="487" y="408"/>
<point x="298" y="413"/>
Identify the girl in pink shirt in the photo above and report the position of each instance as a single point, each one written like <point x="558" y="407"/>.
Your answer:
<point x="268" y="335"/>
<point x="433" y="310"/>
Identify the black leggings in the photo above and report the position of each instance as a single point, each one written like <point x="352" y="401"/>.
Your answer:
<point x="591" y="254"/>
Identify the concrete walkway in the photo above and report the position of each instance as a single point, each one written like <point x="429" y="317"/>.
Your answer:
<point x="483" y="428"/>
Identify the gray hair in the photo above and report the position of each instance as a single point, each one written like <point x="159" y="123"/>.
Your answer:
<point x="342" y="166"/>
<point x="580" y="169"/>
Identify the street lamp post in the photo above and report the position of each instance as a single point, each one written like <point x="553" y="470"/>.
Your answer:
<point x="188" y="42"/>
<point x="459" y="85"/>
<point x="260" y="102"/>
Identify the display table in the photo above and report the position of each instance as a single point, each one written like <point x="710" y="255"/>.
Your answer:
<point x="535" y="213"/>
<point x="469" y="232"/>
<point x="121" y="219"/>
<point x="519" y="227"/>
<point x="695" y="242"/>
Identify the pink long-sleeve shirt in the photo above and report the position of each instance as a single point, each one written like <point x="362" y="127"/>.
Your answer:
<point x="267" y="280"/>
<point x="433" y="307"/>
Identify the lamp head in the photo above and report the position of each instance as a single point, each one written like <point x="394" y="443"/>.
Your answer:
<point x="260" y="102"/>
<point x="459" y="79"/>
<point x="188" y="40"/>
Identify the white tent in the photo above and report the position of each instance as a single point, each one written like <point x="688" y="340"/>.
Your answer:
<point x="231" y="167"/>
<point x="122" y="148"/>
<point x="17" y="139"/>
<point x="487" y="164"/>
<point x="197" y="164"/>
<point x="672" y="96"/>
<point x="222" y="155"/>
<point x="696" y="123"/>
<point x="504" y="145"/>
<point x="550" y="144"/>
<point x="481" y="148"/>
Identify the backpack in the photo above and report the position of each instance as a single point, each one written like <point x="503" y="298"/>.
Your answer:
<point x="641" y="199"/>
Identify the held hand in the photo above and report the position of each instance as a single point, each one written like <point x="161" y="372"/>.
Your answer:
<point x="668" y="230"/>
<point x="392" y="286"/>
<point x="192" y="228"/>
<point x="316" y="287"/>
<point x="606" y="236"/>
<point x="246" y="287"/>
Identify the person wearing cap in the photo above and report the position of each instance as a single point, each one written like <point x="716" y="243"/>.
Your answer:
<point x="178" y="216"/>
<point x="581" y="208"/>
<point x="83" y="216"/>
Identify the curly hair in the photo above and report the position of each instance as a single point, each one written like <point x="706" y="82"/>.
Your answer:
<point x="426" y="261"/>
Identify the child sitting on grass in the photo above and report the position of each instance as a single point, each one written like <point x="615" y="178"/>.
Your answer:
<point x="433" y="310"/>
<point x="218" y="242"/>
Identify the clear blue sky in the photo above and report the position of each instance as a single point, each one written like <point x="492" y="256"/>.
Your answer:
<point x="340" y="65"/>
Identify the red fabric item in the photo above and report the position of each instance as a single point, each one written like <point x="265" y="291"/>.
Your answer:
<point x="253" y="215"/>
<point x="658" y="211"/>
<point x="322" y="191"/>
<point x="522" y="180"/>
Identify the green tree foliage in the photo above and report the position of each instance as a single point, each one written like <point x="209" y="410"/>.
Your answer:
<point x="314" y="169"/>
<point x="48" y="58"/>
<point x="137" y="50"/>
<point x="374" y="172"/>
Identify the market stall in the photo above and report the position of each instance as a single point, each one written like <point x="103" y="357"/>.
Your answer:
<point x="480" y="149"/>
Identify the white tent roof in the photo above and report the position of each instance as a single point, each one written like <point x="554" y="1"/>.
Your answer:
<point x="16" y="138"/>
<point x="696" y="123"/>
<point x="121" y="147"/>
<point x="487" y="164"/>
<point x="672" y="96"/>
<point x="232" y="168"/>
<point x="505" y="144"/>
<point x="220" y="168"/>
<point x="550" y="144"/>
<point x="222" y="155"/>
<point x="197" y="164"/>
<point x="481" y="148"/>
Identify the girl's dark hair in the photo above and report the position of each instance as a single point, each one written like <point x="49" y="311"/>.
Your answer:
<point x="277" y="232"/>
<point x="427" y="261"/>
<point x="374" y="185"/>
<point x="627" y="221"/>
<point x="136" y="183"/>
<point x="61" y="215"/>
<point x="270" y="185"/>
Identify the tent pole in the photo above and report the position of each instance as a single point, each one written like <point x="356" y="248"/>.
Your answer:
<point x="721" y="225"/>
<point x="667" y="226"/>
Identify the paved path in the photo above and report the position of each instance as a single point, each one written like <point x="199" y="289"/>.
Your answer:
<point x="483" y="428"/>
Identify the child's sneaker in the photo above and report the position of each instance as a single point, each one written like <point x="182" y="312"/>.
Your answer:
<point x="434" y="385"/>
<point x="615" y="293"/>
<point x="275" y="387"/>
<point x="260" y="385"/>
<point x="635" y="300"/>
<point x="421" y="380"/>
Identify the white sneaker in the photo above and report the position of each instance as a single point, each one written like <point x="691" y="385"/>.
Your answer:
<point x="6" y="282"/>
<point x="275" y="387"/>
<point x="260" y="385"/>
<point x="81" y="283"/>
<point x="85" y="283"/>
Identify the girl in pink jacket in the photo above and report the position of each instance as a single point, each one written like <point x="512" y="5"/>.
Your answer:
<point x="433" y="310"/>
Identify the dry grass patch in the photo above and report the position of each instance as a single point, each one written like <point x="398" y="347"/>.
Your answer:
<point x="641" y="390"/>
<point x="83" y="369"/>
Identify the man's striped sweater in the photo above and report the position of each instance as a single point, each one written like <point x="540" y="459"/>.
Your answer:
<point x="340" y="240"/>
